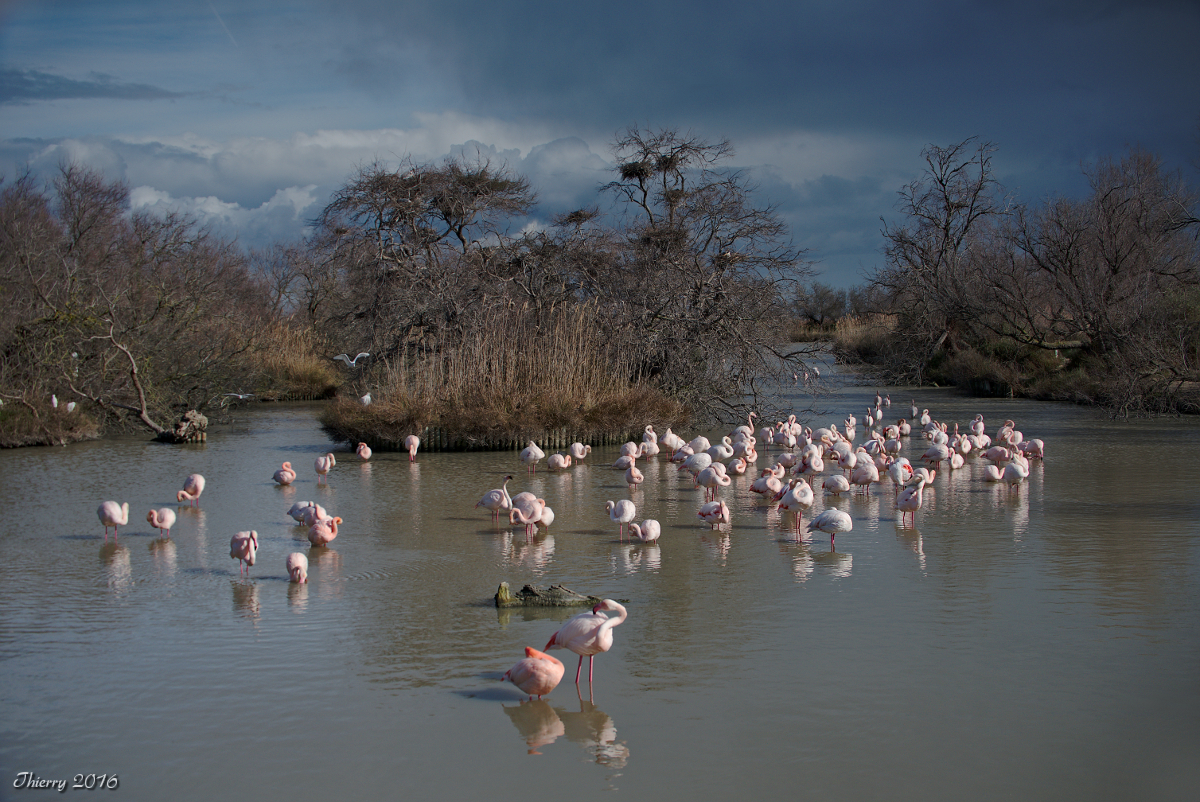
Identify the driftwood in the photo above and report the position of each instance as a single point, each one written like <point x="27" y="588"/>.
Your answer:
<point x="191" y="428"/>
<point x="553" y="596"/>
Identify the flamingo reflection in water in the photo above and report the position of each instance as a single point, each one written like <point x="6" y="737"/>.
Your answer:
<point x="540" y="724"/>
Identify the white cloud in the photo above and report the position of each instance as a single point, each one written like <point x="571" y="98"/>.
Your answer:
<point x="282" y="218"/>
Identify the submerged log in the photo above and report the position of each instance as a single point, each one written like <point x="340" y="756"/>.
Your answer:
<point x="191" y="428"/>
<point x="553" y="596"/>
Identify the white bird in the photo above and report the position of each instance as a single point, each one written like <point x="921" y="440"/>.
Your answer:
<point x="588" y="634"/>
<point x="831" y="521"/>
<point x="621" y="512"/>
<point x="530" y="456"/>
<point x="496" y="500"/>
<point x="366" y="400"/>
<point x="647" y="531"/>
<point x="350" y="363"/>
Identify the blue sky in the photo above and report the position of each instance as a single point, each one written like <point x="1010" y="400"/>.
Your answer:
<point x="248" y="113"/>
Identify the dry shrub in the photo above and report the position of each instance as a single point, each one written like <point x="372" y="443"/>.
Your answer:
<point x="24" y="425"/>
<point x="514" y="376"/>
<point x="291" y="368"/>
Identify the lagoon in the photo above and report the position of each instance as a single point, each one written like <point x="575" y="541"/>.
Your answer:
<point x="1042" y="643"/>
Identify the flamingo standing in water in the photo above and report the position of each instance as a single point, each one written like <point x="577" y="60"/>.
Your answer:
<point x="243" y="547"/>
<point x="588" y="634"/>
<point x="529" y="514"/>
<point x="363" y="451"/>
<point x="496" y="500"/>
<point x="193" y="486"/>
<point x="530" y="456"/>
<point x="297" y="568"/>
<point x="831" y="521"/>
<point x="323" y="465"/>
<point x="538" y="674"/>
<point x="558" y="462"/>
<point x="113" y="514"/>
<point x="323" y="532"/>
<point x="579" y="451"/>
<point x="633" y="477"/>
<point x="285" y="475"/>
<point x="162" y="519"/>
<point x="647" y="531"/>
<point x="714" y="513"/>
<point x="411" y="444"/>
<point x="910" y="500"/>
<point x="621" y="512"/>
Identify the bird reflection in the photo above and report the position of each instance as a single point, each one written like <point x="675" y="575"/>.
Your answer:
<point x="537" y="723"/>
<point x="540" y="725"/>
<point x="717" y="544"/>
<point x="911" y="536"/>
<point x="115" y="558"/>
<point x="535" y="554"/>
<point x="835" y="563"/>
<point x="801" y="559"/>
<point x="593" y="729"/>
<point x="164" y="554"/>
<point x="297" y="596"/>
<point x="636" y="556"/>
<point x="245" y="599"/>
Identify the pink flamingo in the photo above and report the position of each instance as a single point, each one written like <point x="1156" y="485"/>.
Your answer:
<point x="558" y="462"/>
<point x="621" y="512"/>
<point x="322" y="533"/>
<point x="711" y="478"/>
<point x="363" y="451"/>
<point x="411" y="444"/>
<point x="714" y="513"/>
<point x="113" y="514"/>
<point x="285" y="475"/>
<point x="162" y="519"/>
<point x="242" y="547"/>
<point x="538" y="674"/>
<point x="831" y="521"/>
<point x="633" y="477"/>
<point x="323" y="465"/>
<point x="496" y="500"/>
<point x="910" y="500"/>
<point x="588" y="634"/>
<point x="530" y="456"/>
<point x="579" y="451"/>
<point x="193" y="486"/>
<point x="528" y="514"/>
<point x="647" y="531"/>
<point x="297" y="568"/>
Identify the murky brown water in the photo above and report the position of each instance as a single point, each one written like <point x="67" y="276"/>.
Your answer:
<point x="1037" y="644"/>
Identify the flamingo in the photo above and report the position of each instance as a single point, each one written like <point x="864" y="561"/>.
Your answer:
<point x="1016" y="470"/>
<point x="285" y="475"/>
<point x="297" y="568"/>
<point x="711" y="478"/>
<point x="769" y="481"/>
<point x="621" y="512"/>
<point x="836" y="484"/>
<point x="588" y="634"/>
<point x="579" y="451"/>
<point x="496" y="500"/>
<point x="114" y="515"/>
<point x="322" y="533"/>
<point x="363" y="451"/>
<point x="910" y="500"/>
<point x="528" y="510"/>
<point x="298" y="510"/>
<point x="242" y="547"/>
<point x="647" y="531"/>
<point x="696" y="463"/>
<point x="538" y="674"/>
<point x="633" y="477"/>
<point x="546" y="518"/>
<point x="737" y="466"/>
<point x="161" y="519"/>
<point x="864" y="475"/>
<point x="797" y="498"/>
<point x="831" y="521"/>
<point x="322" y="465"/>
<point x="714" y="513"/>
<point x="314" y="514"/>
<point x="670" y="440"/>
<point x="558" y="462"/>
<point x="411" y="444"/>
<point x="193" y="486"/>
<point x="530" y="456"/>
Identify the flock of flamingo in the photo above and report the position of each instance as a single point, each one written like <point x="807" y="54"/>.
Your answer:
<point x="803" y="456"/>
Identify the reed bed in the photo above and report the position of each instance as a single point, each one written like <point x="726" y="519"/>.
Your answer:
<point x="291" y="367"/>
<point x="512" y="377"/>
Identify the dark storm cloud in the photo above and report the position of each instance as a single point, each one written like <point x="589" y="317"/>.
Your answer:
<point x="25" y="86"/>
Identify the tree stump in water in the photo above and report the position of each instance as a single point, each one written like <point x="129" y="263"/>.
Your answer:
<point x="553" y="596"/>
<point x="192" y="428"/>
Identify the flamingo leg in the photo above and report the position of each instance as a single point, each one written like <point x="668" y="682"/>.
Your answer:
<point x="591" y="660"/>
<point x="578" y="669"/>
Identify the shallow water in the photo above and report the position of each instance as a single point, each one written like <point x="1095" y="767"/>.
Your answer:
<point x="1042" y="643"/>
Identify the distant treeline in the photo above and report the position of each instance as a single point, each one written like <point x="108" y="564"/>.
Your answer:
<point x="665" y="307"/>
<point x="1094" y="300"/>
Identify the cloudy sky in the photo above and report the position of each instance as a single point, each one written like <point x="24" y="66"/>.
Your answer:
<point x="248" y="113"/>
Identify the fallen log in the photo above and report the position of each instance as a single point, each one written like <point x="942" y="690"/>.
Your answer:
<point x="553" y="596"/>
